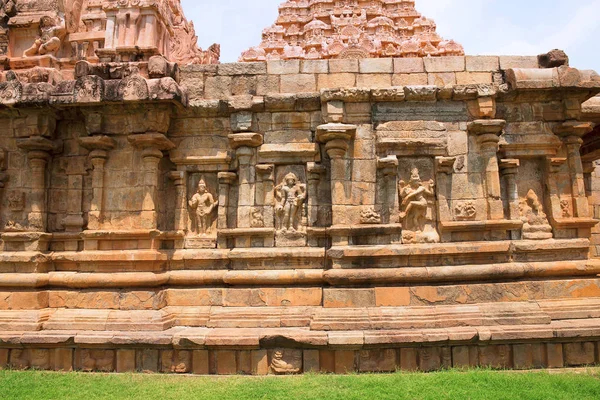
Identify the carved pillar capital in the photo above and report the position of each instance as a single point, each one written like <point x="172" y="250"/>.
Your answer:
<point x="266" y="172"/>
<point x="336" y="138"/>
<point x="227" y="178"/>
<point x="315" y="171"/>
<point x="245" y="139"/>
<point x="178" y="177"/>
<point x="509" y="166"/>
<point x="388" y="165"/>
<point x="571" y="130"/>
<point x="445" y="165"/>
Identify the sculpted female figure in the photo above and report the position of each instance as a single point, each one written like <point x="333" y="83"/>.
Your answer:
<point x="203" y="203"/>
<point x="289" y="197"/>
<point x="417" y="198"/>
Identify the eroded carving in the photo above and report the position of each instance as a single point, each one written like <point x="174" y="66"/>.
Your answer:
<point x="97" y="360"/>
<point x="465" y="211"/>
<point x="16" y="200"/>
<point x="535" y="222"/>
<point x="370" y="216"/>
<point x="289" y="198"/>
<point x="418" y="201"/>
<point x="286" y="361"/>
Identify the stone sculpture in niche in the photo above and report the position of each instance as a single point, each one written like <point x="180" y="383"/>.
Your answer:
<point x="535" y="222"/>
<point x="286" y="361"/>
<point x="289" y="197"/>
<point x="565" y="206"/>
<point x="202" y="204"/>
<point x="417" y="205"/>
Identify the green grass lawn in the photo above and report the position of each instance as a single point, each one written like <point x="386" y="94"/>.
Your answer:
<point x="486" y="385"/>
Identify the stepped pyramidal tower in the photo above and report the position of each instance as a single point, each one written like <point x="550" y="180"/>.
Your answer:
<point x="358" y="195"/>
<point x="324" y="29"/>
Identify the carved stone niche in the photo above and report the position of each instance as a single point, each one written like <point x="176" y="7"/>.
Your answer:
<point x="285" y="361"/>
<point x="418" y="200"/>
<point x="202" y="203"/>
<point x="290" y="206"/>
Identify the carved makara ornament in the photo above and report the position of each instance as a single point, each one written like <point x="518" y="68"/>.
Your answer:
<point x="417" y="207"/>
<point x="289" y="198"/>
<point x="535" y="222"/>
<point x="202" y="204"/>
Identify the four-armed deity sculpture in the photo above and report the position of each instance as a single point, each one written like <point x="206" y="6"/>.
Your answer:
<point x="417" y="207"/>
<point x="203" y="203"/>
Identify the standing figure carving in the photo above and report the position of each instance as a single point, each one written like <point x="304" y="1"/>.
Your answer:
<point x="289" y="197"/>
<point x="417" y="207"/>
<point x="535" y="221"/>
<point x="203" y="204"/>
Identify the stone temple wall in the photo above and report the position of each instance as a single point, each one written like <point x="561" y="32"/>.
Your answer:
<point x="292" y="216"/>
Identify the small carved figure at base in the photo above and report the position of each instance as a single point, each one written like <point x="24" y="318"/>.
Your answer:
<point x="465" y="211"/>
<point x="535" y="222"/>
<point x="417" y="210"/>
<point x="286" y="362"/>
<point x="12" y="226"/>
<point x="203" y="204"/>
<point x="369" y="216"/>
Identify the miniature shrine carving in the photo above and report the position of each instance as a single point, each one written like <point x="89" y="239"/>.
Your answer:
<point x="535" y="222"/>
<point x="418" y="200"/>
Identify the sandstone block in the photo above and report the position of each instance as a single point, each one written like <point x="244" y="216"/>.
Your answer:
<point x="465" y="357"/>
<point x="473" y="78"/>
<point x="348" y="298"/>
<point x="260" y="362"/>
<point x="283" y="67"/>
<point x="374" y="80"/>
<point x="244" y="362"/>
<point x="311" y="361"/>
<point x="148" y="360"/>
<point x="217" y="87"/>
<point x="579" y="354"/>
<point x="327" y="361"/>
<point x="266" y="84"/>
<point x="378" y="360"/>
<point x="408" y="359"/>
<point x="226" y="363"/>
<point x="409" y="79"/>
<point x="482" y="63"/>
<point x="441" y="79"/>
<point x="200" y="362"/>
<point x="376" y="65"/>
<point x="343" y="65"/>
<point x="444" y="64"/>
<point x="507" y="62"/>
<point x="254" y="68"/>
<point x="125" y="360"/>
<point x="298" y="83"/>
<point x="336" y="80"/>
<point x="408" y="65"/>
<point x="392" y="297"/>
<point x="314" y="67"/>
<point x="63" y="360"/>
<point x="344" y="361"/>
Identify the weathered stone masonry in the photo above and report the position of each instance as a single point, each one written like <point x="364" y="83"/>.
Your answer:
<point x="290" y="216"/>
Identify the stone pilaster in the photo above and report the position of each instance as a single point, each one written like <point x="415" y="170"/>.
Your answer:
<point x="444" y="171"/>
<point x="553" y="166"/>
<point x="99" y="147"/>
<point x="152" y="146"/>
<point x="389" y="170"/>
<point x="315" y="174"/>
<point x="38" y="153"/>
<point x="226" y="179"/>
<point x="572" y="133"/>
<point x="510" y="169"/>
<point x="245" y="145"/>
<point x="488" y="134"/>
<point x="337" y="138"/>
<point x="181" y="214"/>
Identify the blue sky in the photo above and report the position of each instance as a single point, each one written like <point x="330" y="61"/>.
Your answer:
<point x="497" y="27"/>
